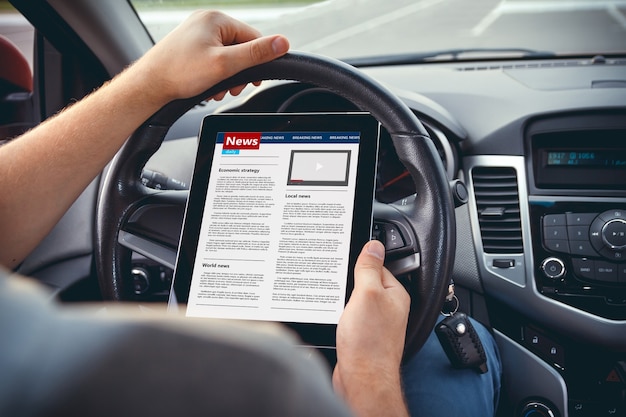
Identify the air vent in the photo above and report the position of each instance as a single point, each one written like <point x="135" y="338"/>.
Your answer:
<point x="497" y="202"/>
<point x="530" y="64"/>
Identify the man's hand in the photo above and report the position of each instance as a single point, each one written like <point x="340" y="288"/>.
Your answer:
<point x="370" y="338"/>
<point x="48" y="164"/>
<point x="205" y="49"/>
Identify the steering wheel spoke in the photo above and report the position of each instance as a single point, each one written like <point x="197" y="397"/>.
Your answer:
<point x="145" y="233"/>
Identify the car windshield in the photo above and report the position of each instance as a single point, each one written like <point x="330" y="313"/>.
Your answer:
<point x="419" y="30"/>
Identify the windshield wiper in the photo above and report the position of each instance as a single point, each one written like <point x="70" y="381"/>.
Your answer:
<point x="449" y="55"/>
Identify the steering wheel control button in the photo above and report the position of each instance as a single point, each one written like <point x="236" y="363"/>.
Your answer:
<point x="553" y="268"/>
<point x="393" y="238"/>
<point x="378" y="232"/>
<point x="389" y="235"/>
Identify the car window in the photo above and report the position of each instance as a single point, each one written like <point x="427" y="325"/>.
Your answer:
<point x="15" y="28"/>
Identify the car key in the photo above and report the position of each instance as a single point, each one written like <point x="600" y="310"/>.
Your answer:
<point x="459" y="339"/>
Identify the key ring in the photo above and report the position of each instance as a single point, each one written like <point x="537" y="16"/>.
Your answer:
<point x="451" y="311"/>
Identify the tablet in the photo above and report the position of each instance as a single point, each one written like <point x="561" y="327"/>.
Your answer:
<point x="279" y="208"/>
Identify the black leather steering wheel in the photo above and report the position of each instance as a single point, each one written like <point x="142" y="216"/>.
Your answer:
<point x="429" y="219"/>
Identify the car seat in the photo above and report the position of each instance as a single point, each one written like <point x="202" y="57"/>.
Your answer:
<point x="16" y="91"/>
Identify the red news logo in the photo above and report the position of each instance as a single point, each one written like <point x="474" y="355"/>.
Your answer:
<point x="242" y="140"/>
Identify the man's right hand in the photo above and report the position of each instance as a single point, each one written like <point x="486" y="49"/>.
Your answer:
<point x="370" y="338"/>
<point x="205" y="49"/>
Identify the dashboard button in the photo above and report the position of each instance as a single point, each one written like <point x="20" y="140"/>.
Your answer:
<point x="580" y="219"/>
<point x="554" y="220"/>
<point x="595" y="233"/>
<point x="584" y="268"/>
<point x="617" y="256"/>
<point x="544" y="346"/>
<point x="557" y="245"/>
<point x="578" y="232"/>
<point x="605" y="271"/>
<point x="555" y="232"/>
<point x="621" y="273"/>
<point x="613" y="214"/>
<point x="582" y="248"/>
<point x="553" y="268"/>
<point x="614" y="234"/>
<point x="504" y="263"/>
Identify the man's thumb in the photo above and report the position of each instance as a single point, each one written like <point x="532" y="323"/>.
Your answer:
<point x="261" y="50"/>
<point x="369" y="265"/>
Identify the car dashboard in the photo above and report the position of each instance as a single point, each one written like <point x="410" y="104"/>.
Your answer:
<point x="541" y="243"/>
<point x="540" y="147"/>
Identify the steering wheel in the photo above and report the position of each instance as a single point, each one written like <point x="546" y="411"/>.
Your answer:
<point x="428" y="220"/>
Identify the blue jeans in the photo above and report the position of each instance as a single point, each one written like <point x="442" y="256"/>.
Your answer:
<point x="433" y="387"/>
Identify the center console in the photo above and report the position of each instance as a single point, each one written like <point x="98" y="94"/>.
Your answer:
<point x="578" y="215"/>
<point x="550" y="230"/>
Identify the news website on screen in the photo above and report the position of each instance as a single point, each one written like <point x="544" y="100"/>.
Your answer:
<point x="275" y="233"/>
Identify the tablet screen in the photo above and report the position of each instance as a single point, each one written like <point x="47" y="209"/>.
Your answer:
<point x="279" y="207"/>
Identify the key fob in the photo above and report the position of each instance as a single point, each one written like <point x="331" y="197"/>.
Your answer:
<point x="461" y="343"/>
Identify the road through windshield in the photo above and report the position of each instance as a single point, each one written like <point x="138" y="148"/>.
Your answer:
<point x="358" y="28"/>
<point x="355" y="28"/>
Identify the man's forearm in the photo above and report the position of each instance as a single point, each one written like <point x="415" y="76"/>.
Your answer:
<point x="45" y="170"/>
<point x="375" y="394"/>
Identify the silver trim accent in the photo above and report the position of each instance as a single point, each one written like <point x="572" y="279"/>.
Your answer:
<point x="547" y="273"/>
<point x="151" y="250"/>
<point x="517" y="274"/>
<point x="604" y="238"/>
<point x="524" y="375"/>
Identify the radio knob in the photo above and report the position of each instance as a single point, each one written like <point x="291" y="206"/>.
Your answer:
<point x="614" y="234"/>
<point x="536" y="409"/>
<point x="553" y="268"/>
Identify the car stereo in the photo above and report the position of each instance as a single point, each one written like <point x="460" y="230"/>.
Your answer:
<point x="580" y="254"/>
<point x="578" y="217"/>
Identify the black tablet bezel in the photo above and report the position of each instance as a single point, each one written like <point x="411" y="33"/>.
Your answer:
<point x="312" y="334"/>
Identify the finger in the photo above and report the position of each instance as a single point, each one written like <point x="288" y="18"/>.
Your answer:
<point x="257" y="51"/>
<point x="219" y="96"/>
<point x="368" y="269"/>
<point x="235" y="91"/>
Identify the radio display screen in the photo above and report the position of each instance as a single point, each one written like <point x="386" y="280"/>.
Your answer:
<point x="588" y="158"/>
<point x="583" y="159"/>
